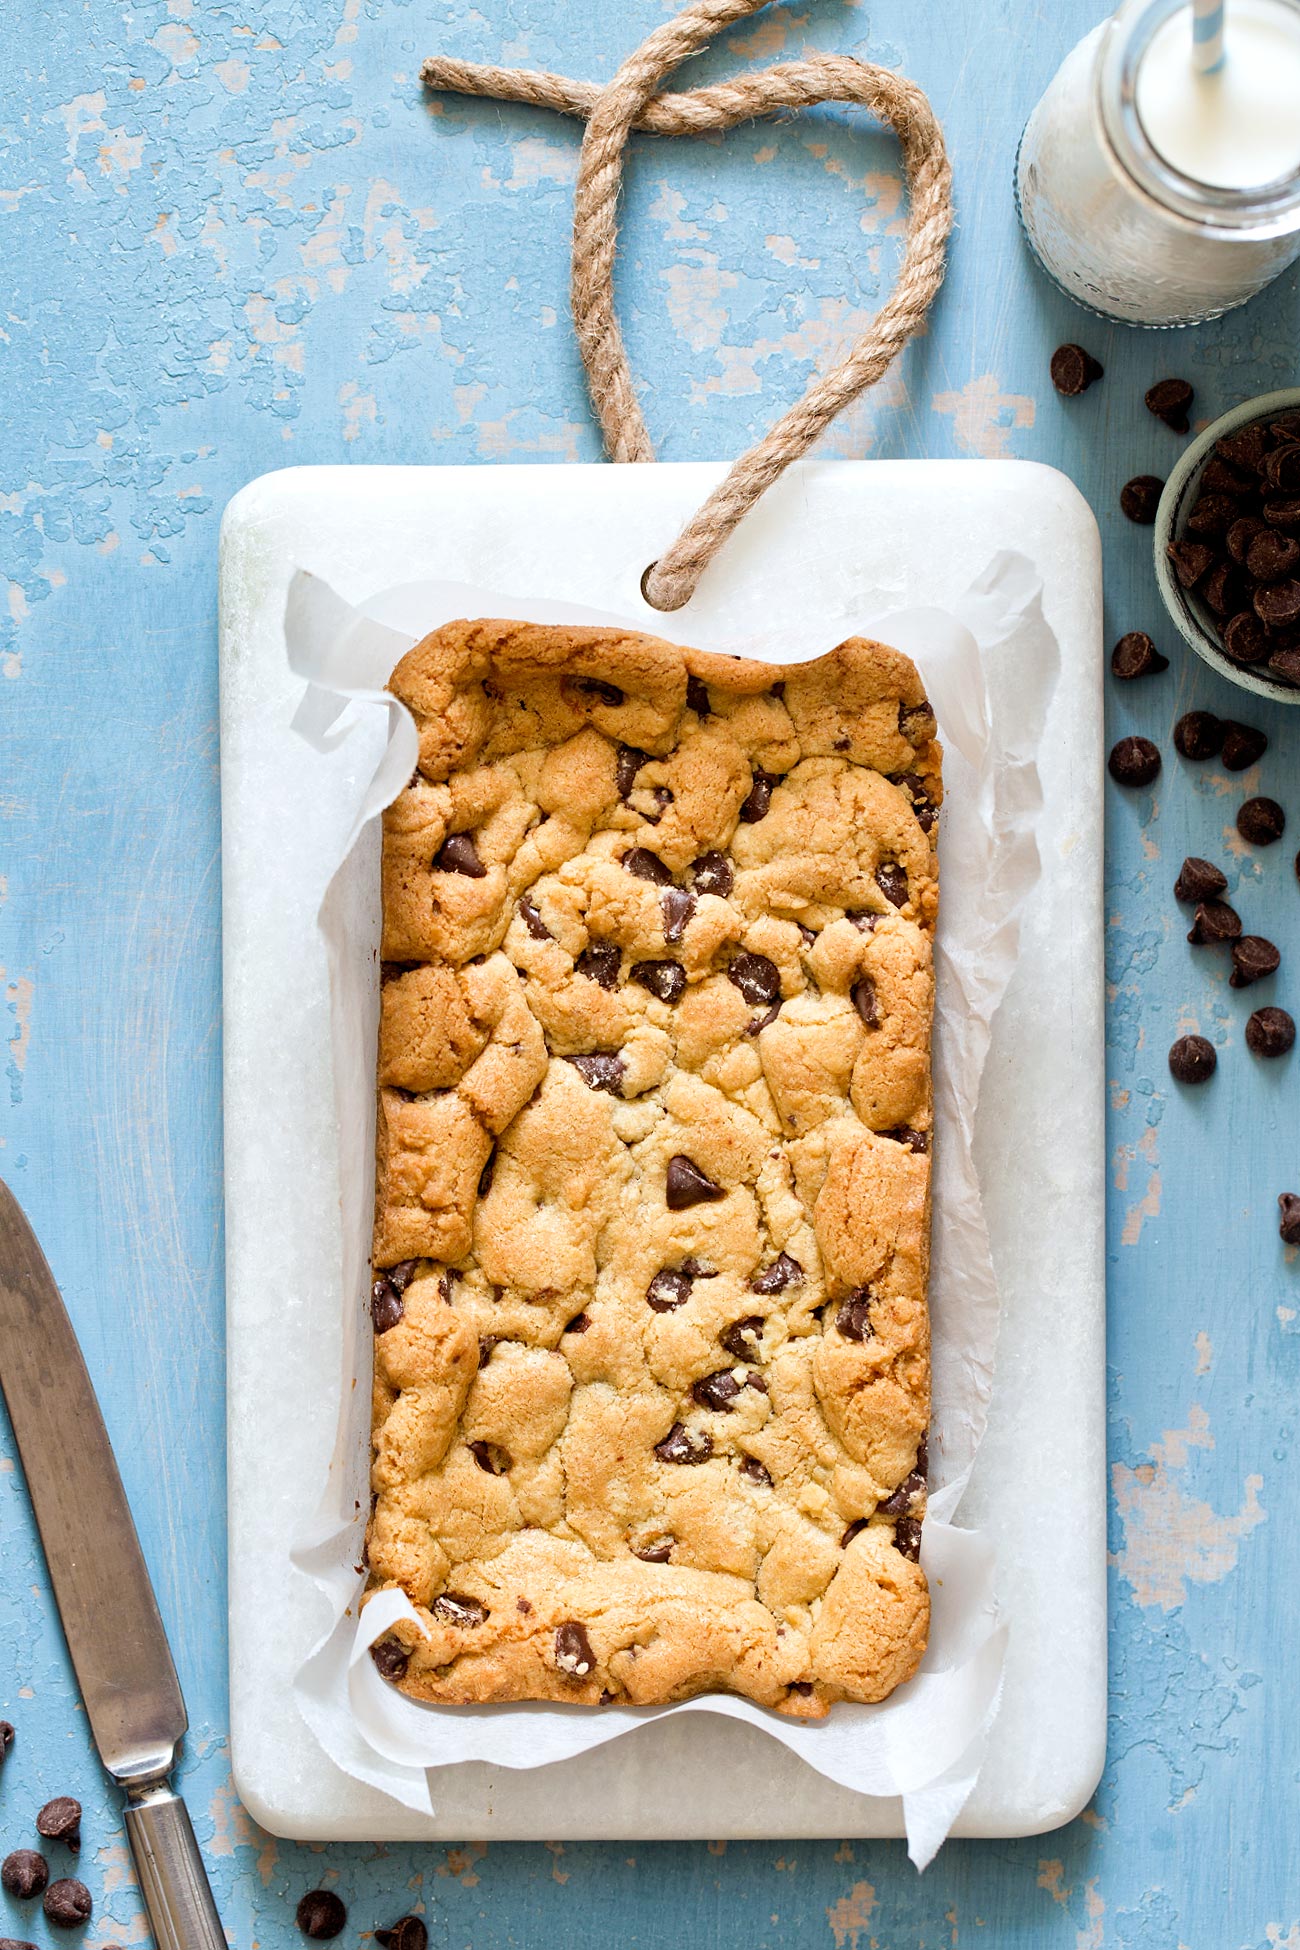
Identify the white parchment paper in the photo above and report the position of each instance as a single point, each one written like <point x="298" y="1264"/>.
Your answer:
<point x="989" y="666"/>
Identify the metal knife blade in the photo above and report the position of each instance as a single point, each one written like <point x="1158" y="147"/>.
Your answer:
<point x="101" y="1582"/>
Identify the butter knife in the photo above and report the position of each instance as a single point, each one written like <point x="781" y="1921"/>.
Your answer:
<point x="101" y="1585"/>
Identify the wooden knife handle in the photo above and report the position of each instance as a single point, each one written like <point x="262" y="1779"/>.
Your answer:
<point x="173" y="1880"/>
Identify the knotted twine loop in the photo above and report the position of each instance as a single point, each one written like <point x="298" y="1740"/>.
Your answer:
<point x="630" y="101"/>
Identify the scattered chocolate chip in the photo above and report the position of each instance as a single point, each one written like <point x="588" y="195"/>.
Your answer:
<point x="892" y="882"/>
<point x="408" y="1933"/>
<point x="757" y="978"/>
<point x="687" y="1185"/>
<point x="1243" y="746"/>
<point x="1277" y="603"/>
<point x="853" y="1317"/>
<point x="458" y="854"/>
<point x="655" y="1550"/>
<point x="697" y="696"/>
<point x="1269" y="1032"/>
<point x="1214" y="921"/>
<point x="752" y="1469"/>
<point x="678" y="907"/>
<point x="1169" y="400"/>
<point x="1140" y="497"/>
<point x="760" y="797"/>
<point x="386" y="1307"/>
<point x="531" y="917"/>
<point x="491" y="1457"/>
<point x="647" y="866"/>
<point x="600" y="964"/>
<point x="1134" y="762"/>
<point x="24" y="1873"/>
<point x="1244" y="638"/>
<point x="1252" y="958"/>
<point x="711" y="874"/>
<point x="1272" y="555"/>
<point x="596" y="687"/>
<point x="1192" y="1060"/>
<point x="391" y="1658"/>
<point x="600" y="1071"/>
<point x="665" y="980"/>
<point x="457" y="1608"/>
<point x="1135" y="655"/>
<point x="717" y="1391"/>
<point x="580" y="1324"/>
<point x="744" y="1337"/>
<point x="683" y="1445"/>
<point x="626" y="766"/>
<point x="320" y="1913"/>
<point x="784" y="1271"/>
<point x="1261" y="821"/>
<point x="1289" y="1226"/>
<point x="900" y="1501"/>
<point x="1073" y="370"/>
<point x="1199" y="880"/>
<point x="67" y="1903"/>
<point x="1282" y="468"/>
<point x="907" y="1538"/>
<point x="60" y="1821"/>
<point x="669" y="1289"/>
<point x="1189" y="560"/>
<point x="1198" y="734"/>
<point x="1211" y="514"/>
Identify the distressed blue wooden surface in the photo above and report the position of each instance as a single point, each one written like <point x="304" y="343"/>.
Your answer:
<point x="235" y="238"/>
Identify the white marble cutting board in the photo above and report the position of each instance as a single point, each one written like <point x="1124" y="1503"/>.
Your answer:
<point x="885" y="535"/>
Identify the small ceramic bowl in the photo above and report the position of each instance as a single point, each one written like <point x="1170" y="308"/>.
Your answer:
<point x="1196" y="622"/>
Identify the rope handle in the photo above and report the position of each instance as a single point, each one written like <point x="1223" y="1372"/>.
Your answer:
<point x="632" y="101"/>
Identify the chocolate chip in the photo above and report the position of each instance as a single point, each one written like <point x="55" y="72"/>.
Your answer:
<point x="1245" y="448"/>
<point x="580" y="1324"/>
<point x="1192" y="1060"/>
<point x="1261" y="821"/>
<point x="717" y="1391"/>
<point x="711" y="874"/>
<point x="488" y="1173"/>
<point x="1244" y="638"/>
<point x="1252" y="958"/>
<point x="758" y="1023"/>
<point x="1140" y="497"/>
<point x="853" y="1317"/>
<point x="855" y="1529"/>
<point x="24" y="1873"/>
<point x="1135" y="655"/>
<point x="491" y="1457"/>
<point x="683" y="1445"/>
<point x="1189" y="560"/>
<point x="900" y="1501"/>
<point x="1198" y="734"/>
<point x="1241" y="534"/>
<point x="15" y="1943"/>
<point x="1277" y="603"/>
<point x="1285" y="664"/>
<point x="1169" y="400"/>
<point x="1073" y="370"/>
<point x="916" y="723"/>
<point x="783" y="1271"/>
<point x="697" y="696"/>
<point x="1272" y="555"/>
<point x="67" y="1903"/>
<point x="757" y="978"/>
<point x="391" y="1658"/>
<point x="486" y="1343"/>
<point x="1134" y="762"/>
<point x="600" y="964"/>
<point x="531" y="917"/>
<point x="386" y="1307"/>
<point x="1289" y="1226"/>
<point x="862" y="918"/>
<point x="600" y="1070"/>
<point x="626" y="766"/>
<point x="657" y="1550"/>
<point x="458" y="854"/>
<point x="1282" y="468"/>
<point x="647" y="866"/>
<point x="677" y="906"/>
<point x="863" y="997"/>
<point x="687" y="1185"/>
<point x="1223" y="590"/>
<point x="1269" y="1032"/>
<point x="744" y="1337"/>
<point x="6" y="1739"/>
<point x="892" y="882"/>
<point x="408" y="1933"/>
<point x="754" y="1472"/>
<point x="907" y="1538"/>
<point x="923" y="807"/>
<point x="1243" y="745"/>
<point x="760" y="797"/>
<point x="596" y="687"/>
<point x="320" y="1913"/>
<point x="1282" y="512"/>
<point x="669" y="1289"/>
<point x="400" y="1276"/>
<point x="1211" y="514"/>
<point x="1199" y="880"/>
<point x="457" y="1608"/>
<point x="60" y="1821"/>
<point x="1214" y="921"/>
<point x="665" y="979"/>
<point x="904" y="1134"/>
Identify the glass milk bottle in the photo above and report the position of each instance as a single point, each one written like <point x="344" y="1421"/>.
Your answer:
<point x="1154" y="187"/>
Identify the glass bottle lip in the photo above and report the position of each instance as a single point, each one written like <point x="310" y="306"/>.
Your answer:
<point x="1268" y="210"/>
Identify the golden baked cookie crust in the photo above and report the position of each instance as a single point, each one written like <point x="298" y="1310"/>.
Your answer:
<point x="653" y="1167"/>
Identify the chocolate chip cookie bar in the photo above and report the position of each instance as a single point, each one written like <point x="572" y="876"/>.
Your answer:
<point x="651" y="1228"/>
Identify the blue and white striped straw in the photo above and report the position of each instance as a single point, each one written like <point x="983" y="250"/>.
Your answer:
<point x="1207" y="35"/>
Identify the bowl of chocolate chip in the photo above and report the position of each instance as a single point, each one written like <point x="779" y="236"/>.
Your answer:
<point x="1227" y="545"/>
